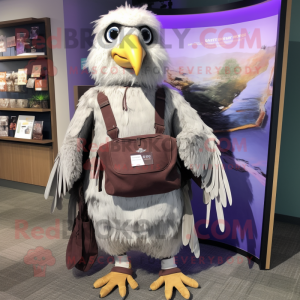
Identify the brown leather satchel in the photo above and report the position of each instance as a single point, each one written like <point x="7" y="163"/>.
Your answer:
<point x="138" y="165"/>
<point x="82" y="249"/>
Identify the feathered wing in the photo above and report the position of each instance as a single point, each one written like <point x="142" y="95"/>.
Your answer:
<point x="67" y="167"/>
<point x="198" y="148"/>
<point x="189" y="235"/>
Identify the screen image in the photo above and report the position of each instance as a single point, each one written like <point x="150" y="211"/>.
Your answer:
<point x="223" y="64"/>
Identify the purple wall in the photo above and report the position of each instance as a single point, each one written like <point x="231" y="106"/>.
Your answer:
<point x="78" y="16"/>
<point x="247" y="186"/>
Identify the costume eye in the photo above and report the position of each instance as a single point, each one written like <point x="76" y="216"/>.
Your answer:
<point x="112" y="33"/>
<point x="147" y="35"/>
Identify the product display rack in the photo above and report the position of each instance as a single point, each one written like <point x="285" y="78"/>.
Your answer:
<point x="24" y="160"/>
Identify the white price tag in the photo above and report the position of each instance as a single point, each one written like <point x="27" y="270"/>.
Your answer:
<point x="136" y="160"/>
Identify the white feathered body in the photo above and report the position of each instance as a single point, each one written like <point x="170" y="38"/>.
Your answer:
<point x="151" y="224"/>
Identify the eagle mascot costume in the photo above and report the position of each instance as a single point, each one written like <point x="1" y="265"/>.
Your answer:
<point x="128" y="62"/>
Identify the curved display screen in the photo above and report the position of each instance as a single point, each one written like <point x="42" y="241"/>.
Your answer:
<point x="223" y="64"/>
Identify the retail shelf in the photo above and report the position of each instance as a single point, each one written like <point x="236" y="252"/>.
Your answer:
<point x="26" y="109"/>
<point x="12" y="139"/>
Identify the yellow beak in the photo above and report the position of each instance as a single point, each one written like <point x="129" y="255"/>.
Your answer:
<point x="129" y="54"/>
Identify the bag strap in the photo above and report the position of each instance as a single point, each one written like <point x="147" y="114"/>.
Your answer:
<point x="108" y="116"/>
<point x="110" y="121"/>
<point x="160" y="110"/>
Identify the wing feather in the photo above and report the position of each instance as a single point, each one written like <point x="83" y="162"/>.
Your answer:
<point x="54" y="202"/>
<point x="52" y="181"/>
<point x="220" y="214"/>
<point x="208" y="213"/>
<point x="222" y="192"/>
<point x="206" y="197"/>
<point x="226" y="185"/>
<point x="216" y="186"/>
<point x="210" y="184"/>
<point x="207" y="177"/>
<point x="59" y="198"/>
<point x="59" y="180"/>
<point x="59" y="205"/>
<point x="64" y="186"/>
<point x="215" y="190"/>
<point x="195" y="243"/>
<point x="197" y="145"/>
<point x="187" y="223"/>
<point x="189" y="236"/>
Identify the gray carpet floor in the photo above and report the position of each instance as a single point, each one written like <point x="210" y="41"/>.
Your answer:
<point x="219" y="279"/>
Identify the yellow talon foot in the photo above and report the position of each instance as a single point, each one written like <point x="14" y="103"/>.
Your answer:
<point x="176" y="280"/>
<point x="113" y="279"/>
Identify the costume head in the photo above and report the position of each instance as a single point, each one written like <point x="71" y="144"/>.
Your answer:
<point x="127" y="49"/>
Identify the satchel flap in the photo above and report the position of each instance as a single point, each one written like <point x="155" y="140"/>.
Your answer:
<point x="154" y="149"/>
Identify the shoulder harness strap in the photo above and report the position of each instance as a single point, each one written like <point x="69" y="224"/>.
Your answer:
<point x="108" y="116"/>
<point x="110" y="121"/>
<point x="160" y="110"/>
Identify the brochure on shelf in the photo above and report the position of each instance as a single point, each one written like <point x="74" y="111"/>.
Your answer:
<point x="11" y="41"/>
<point x="4" y="120"/>
<point x="21" y="42"/>
<point x="3" y="85"/>
<point x="3" y="46"/>
<point x="22" y="76"/>
<point x="38" y="130"/>
<point x="4" y="125"/>
<point x="41" y="85"/>
<point x="12" y="126"/>
<point x="25" y="127"/>
<point x="34" y="33"/>
<point x="36" y="71"/>
<point x="30" y="83"/>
